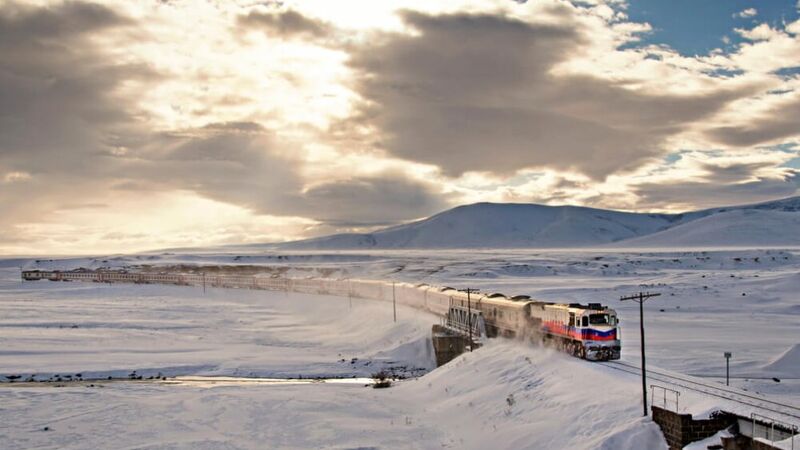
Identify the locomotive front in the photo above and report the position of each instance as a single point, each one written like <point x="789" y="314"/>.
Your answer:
<point x="599" y="331"/>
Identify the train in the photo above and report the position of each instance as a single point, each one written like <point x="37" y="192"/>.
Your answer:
<point x="588" y="331"/>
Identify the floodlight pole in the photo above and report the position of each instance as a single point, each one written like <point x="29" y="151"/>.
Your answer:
<point x="640" y="299"/>
<point x="728" y="368"/>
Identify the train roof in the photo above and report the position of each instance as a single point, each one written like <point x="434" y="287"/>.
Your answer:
<point x="503" y="302"/>
<point x="579" y="306"/>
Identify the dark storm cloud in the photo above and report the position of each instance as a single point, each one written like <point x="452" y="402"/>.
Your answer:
<point x="780" y="123"/>
<point x="476" y="92"/>
<point x="284" y="24"/>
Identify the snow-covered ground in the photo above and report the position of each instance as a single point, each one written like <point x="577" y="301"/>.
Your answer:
<point x="506" y="395"/>
<point x="99" y="330"/>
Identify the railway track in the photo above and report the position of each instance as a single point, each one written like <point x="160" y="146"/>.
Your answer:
<point x="722" y="392"/>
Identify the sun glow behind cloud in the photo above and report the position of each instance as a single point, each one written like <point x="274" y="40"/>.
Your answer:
<point x="161" y="220"/>
<point x="201" y="122"/>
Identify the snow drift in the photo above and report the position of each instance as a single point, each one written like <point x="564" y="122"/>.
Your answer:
<point x="787" y="363"/>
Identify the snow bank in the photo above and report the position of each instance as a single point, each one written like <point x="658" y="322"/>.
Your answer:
<point x="512" y="395"/>
<point x="787" y="363"/>
<point x="709" y="441"/>
<point x="503" y="396"/>
<point x="786" y="444"/>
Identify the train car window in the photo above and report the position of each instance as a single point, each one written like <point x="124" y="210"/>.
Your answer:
<point x="572" y="319"/>
<point x="585" y="321"/>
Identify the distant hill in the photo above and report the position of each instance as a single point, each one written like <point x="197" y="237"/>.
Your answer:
<point x="733" y="228"/>
<point x="515" y="225"/>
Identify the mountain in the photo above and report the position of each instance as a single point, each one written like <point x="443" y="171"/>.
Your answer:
<point x="733" y="228"/>
<point x="515" y="225"/>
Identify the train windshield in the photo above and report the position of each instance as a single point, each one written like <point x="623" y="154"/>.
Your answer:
<point x="602" y="319"/>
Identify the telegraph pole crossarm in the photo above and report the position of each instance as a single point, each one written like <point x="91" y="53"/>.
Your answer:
<point x="640" y="298"/>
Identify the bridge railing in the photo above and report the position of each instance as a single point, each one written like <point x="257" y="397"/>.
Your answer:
<point x="772" y="430"/>
<point x="667" y="399"/>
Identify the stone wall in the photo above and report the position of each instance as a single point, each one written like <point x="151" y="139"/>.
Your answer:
<point x="680" y="429"/>
<point x="447" y="345"/>
<point x="741" y="442"/>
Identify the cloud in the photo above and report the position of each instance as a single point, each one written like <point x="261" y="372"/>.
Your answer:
<point x="746" y="13"/>
<point x="707" y="194"/>
<point x="704" y="179"/>
<point x="774" y="125"/>
<point x="761" y="32"/>
<point x="72" y="131"/>
<point x="288" y="24"/>
<point x="476" y="92"/>
<point x="333" y="116"/>
<point x="19" y="23"/>
<point x="246" y="165"/>
<point x="60" y="111"/>
<point x="367" y="201"/>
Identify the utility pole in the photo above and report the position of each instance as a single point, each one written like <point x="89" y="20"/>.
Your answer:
<point x="640" y="299"/>
<point x="394" y="303"/>
<point x="204" y="282"/>
<point x="469" y="313"/>
<point x="728" y="368"/>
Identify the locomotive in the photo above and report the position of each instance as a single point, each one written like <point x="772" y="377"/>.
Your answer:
<point x="586" y="331"/>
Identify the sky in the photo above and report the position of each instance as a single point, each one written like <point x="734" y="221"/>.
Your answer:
<point x="127" y="126"/>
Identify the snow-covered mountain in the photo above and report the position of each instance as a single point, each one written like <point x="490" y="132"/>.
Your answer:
<point x="496" y="225"/>
<point x="744" y="227"/>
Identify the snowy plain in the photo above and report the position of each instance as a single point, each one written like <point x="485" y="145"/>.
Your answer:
<point x="507" y="394"/>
